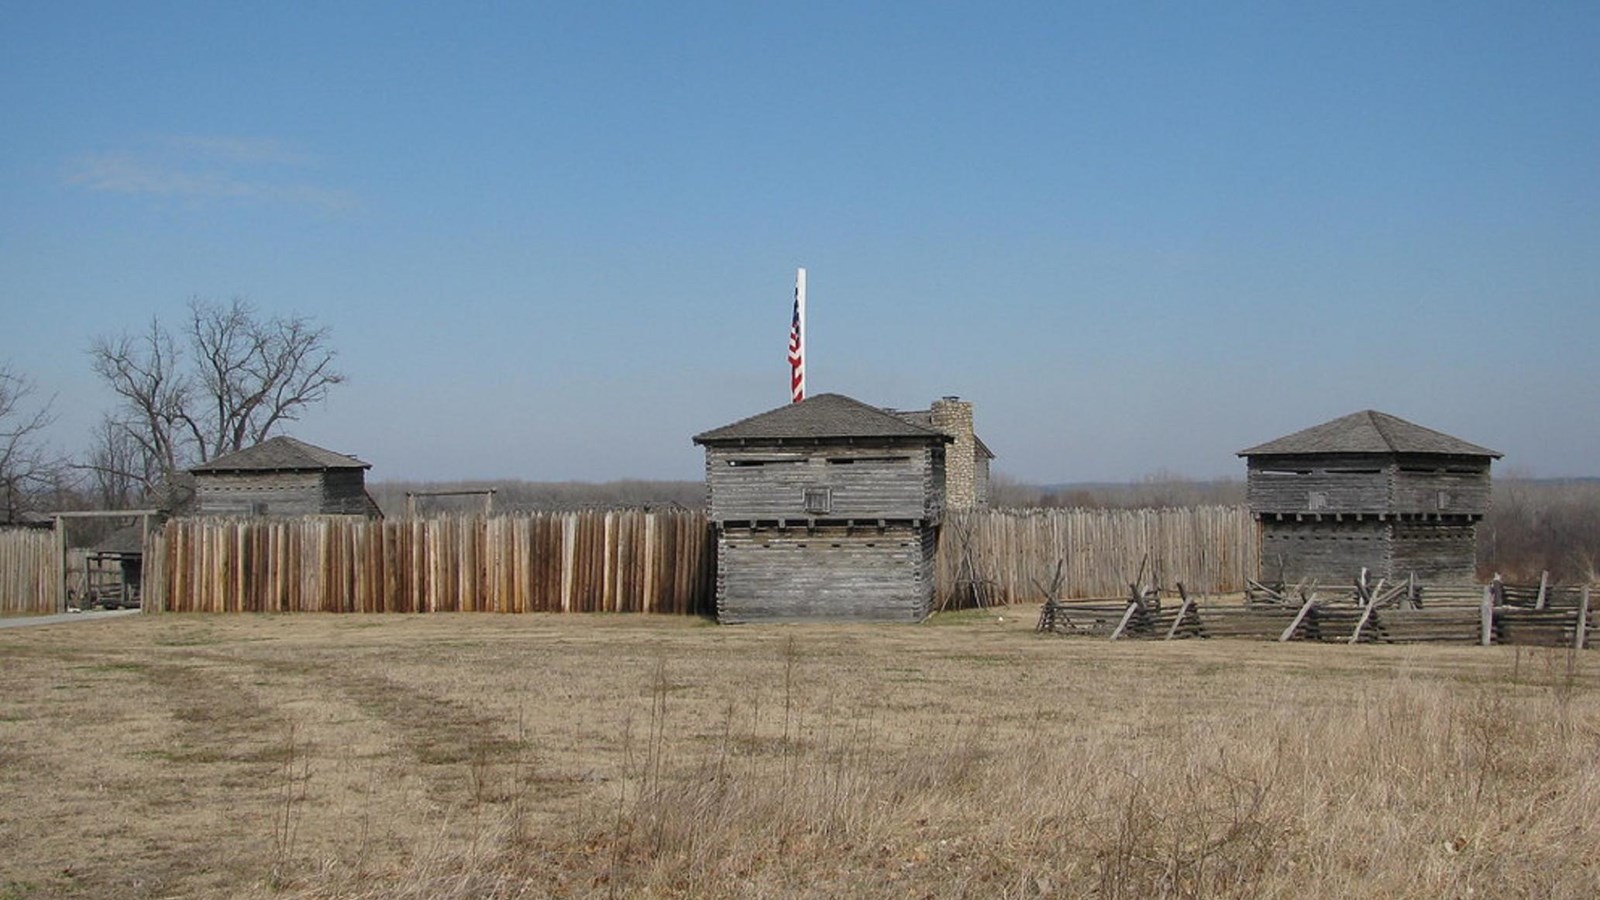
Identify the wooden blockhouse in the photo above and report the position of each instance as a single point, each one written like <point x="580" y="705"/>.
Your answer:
<point x="1368" y="490"/>
<point x="282" y="476"/>
<point x="826" y="508"/>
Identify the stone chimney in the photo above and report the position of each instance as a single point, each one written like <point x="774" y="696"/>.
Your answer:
<point x="953" y="416"/>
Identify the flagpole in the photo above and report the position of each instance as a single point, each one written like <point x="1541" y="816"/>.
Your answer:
<point x="805" y="333"/>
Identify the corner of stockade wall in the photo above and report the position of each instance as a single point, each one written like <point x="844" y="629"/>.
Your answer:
<point x="592" y="561"/>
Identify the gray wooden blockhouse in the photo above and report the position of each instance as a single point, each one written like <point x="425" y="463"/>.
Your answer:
<point x="1368" y="490"/>
<point x="283" y="477"/>
<point x="827" y="508"/>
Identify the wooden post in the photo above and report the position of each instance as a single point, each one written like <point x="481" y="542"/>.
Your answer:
<point x="1182" y="611"/>
<point x="1544" y="586"/>
<point x="1298" y="618"/>
<point x="1486" y="615"/>
<point x="1127" y="616"/>
<point x="61" y="555"/>
<point x="145" y="558"/>
<point x="1583" y="619"/>
<point x="1355" y="636"/>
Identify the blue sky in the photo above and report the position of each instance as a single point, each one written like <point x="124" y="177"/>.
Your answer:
<point x="553" y="241"/>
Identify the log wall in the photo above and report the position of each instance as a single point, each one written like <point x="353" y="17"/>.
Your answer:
<point x="1211" y="549"/>
<point x="831" y="572"/>
<point x="867" y="481"/>
<point x="1365" y="483"/>
<point x="30" y="572"/>
<point x="331" y="492"/>
<point x="622" y="561"/>
<point x="1328" y="483"/>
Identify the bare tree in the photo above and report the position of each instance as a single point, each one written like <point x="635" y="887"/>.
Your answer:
<point x="25" y="466"/>
<point x="144" y="371"/>
<point x="118" y="468"/>
<point x="227" y="381"/>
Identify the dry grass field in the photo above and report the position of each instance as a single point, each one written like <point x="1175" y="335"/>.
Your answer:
<point x="505" y="756"/>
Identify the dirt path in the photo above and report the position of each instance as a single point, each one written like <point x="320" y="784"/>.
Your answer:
<point x="97" y="615"/>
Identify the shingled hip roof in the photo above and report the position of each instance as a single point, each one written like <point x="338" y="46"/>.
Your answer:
<point x="281" y="454"/>
<point x="821" y="417"/>
<point x="1369" y="431"/>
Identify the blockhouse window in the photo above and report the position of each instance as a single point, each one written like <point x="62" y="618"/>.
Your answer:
<point x="1444" y="499"/>
<point x="851" y="460"/>
<point x="819" y="500"/>
<point x="1317" y="500"/>
<point x="743" y="463"/>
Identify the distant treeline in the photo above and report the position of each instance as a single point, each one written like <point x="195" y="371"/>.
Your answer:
<point x="540" y="496"/>
<point x="1542" y="526"/>
<point x="1158" y="491"/>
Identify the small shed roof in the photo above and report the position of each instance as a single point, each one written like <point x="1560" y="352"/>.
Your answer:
<point x="126" y="541"/>
<point x="1369" y="431"/>
<point x="281" y="454"/>
<point x="821" y="417"/>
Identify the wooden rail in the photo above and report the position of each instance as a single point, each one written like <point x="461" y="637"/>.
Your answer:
<point x="1440" y="614"/>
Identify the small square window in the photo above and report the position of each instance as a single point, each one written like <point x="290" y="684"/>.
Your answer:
<point x="1444" y="500"/>
<point x="258" y="508"/>
<point x="819" y="500"/>
<point x="1317" y="500"/>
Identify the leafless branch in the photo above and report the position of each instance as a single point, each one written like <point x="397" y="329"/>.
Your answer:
<point x="229" y="380"/>
<point x="25" y="465"/>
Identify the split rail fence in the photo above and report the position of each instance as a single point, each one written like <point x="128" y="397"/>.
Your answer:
<point x="1543" y="615"/>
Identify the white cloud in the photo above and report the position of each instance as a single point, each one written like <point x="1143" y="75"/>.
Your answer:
<point x="208" y="168"/>
<point x="245" y="150"/>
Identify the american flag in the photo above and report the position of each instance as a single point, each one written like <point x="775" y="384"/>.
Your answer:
<point x="797" y="341"/>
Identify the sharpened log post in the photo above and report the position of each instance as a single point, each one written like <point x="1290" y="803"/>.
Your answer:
<point x="61" y="565"/>
<point x="1487" y="616"/>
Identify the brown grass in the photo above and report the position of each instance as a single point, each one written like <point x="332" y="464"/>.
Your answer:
<point x="500" y="756"/>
